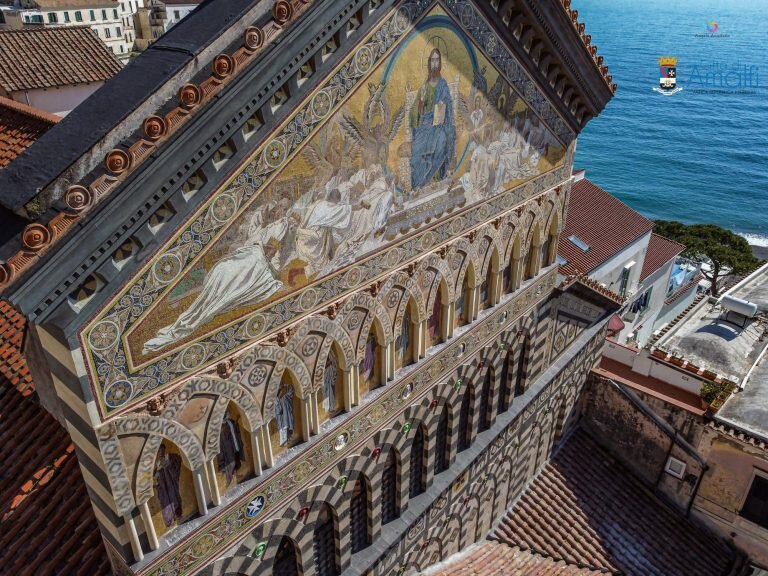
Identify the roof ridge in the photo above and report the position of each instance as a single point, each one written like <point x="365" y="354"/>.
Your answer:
<point x="36" y="113"/>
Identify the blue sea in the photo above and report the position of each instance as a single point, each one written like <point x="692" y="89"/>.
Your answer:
<point x="700" y="155"/>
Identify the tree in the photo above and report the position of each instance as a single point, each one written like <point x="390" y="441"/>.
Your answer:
<point x="726" y="252"/>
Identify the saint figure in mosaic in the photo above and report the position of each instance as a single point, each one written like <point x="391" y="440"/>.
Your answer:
<point x="432" y="127"/>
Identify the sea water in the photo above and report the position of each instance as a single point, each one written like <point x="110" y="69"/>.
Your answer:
<point x="700" y="155"/>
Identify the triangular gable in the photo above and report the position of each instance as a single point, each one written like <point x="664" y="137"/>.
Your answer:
<point x="379" y="163"/>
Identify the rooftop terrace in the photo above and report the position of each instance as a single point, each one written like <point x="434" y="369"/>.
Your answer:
<point x="711" y="340"/>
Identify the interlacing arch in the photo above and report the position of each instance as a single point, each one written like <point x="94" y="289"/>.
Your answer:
<point x="442" y="274"/>
<point x="332" y="332"/>
<point x="279" y="359"/>
<point x="374" y="311"/>
<point x="158" y="429"/>
<point x="463" y="245"/>
<point x="410" y="294"/>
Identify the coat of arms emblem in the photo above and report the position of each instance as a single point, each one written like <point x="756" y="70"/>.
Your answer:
<point x="668" y="76"/>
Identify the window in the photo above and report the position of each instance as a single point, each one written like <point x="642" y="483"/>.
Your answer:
<point x="520" y="369"/>
<point x="675" y="467"/>
<point x="358" y="521"/>
<point x="78" y="16"/>
<point x="580" y="244"/>
<point x="755" y="509"/>
<point x="389" y="489"/>
<point x="624" y="280"/>
<point x="285" y="563"/>
<point x="465" y="430"/>
<point x="52" y="18"/>
<point x="485" y="400"/>
<point x="118" y="32"/>
<point x="441" y="450"/>
<point x="103" y="14"/>
<point x="176" y="14"/>
<point x="92" y="15"/>
<point x="325" y="543"/>
<point x="114" y="13"/>
<point x="416" y="480"/>
<point x="107" y="33"/>
<point x="66" y="17"/>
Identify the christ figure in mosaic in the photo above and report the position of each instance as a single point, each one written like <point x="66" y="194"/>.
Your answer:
<point x="433" y="131"/>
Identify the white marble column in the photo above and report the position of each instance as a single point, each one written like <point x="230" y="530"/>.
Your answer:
<point x="213" y="483"/>
<point x="256" y="453"/>
<point x="197" y="476"/>
<point x="138" y="553"/>
<point x="268" y="457"/>
<point x="315" y="407"/>
<point x="306" y="426"/>
<point x="149" y="526"/>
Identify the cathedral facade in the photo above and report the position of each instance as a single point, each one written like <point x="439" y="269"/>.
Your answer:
<point x="306" y="318"/>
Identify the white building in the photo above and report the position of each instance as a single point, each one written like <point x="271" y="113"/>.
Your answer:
<point x="615" y="246"/>
<point x="70" y="64"/>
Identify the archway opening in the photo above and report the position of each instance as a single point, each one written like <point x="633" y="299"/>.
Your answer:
<point x="390" y="476"/>
<point x="324" y="542"/>
<point x="372" y="368"/>
<point x="332" y="394"/>
<point x="361" y="496"/>
<point x="417" y="480"/>
<point x="286" y="428"/>
<point x="234" y="463"/>
<point x="174" y="501"/>
<point x="286" y="561"/>
<point x="465" y="418"/>
<point x="442" y="446"/>
<point x="405" y="351"/>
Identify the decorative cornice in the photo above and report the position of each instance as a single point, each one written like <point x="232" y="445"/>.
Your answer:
<point x="38" y="238"/>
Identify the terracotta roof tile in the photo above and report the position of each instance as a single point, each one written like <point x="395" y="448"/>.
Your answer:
<point x="20" y="126"/>
<point x="48" y="525"/>
<point x="585" y="509"/>
<point x="490" y="558"/>
<point x="602" y="222"/>
<point x="660" y="251"/>
<point x="652" y="386"/>
<point x="48" y="57"/>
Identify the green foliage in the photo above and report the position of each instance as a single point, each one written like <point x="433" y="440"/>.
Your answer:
<point x="727" y="252"/>
<point x="714" y="393"/>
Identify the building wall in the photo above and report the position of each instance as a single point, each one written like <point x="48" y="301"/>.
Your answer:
<point x="645" y="321"/>
<point x="459" y="504"/>
<point x="642" y="440"/>
<point x="104" y="19"/>
<point x="732" y="464"/>
<point x="60" y="101"/>
<point x="609" y="273"/>
<point x="462" y="248"/>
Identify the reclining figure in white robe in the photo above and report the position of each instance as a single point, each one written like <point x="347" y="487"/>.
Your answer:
<point x="242" y="278"/>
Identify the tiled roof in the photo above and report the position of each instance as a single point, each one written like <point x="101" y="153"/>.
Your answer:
<point x="491" y="558"/>
<point x="660" y="251"/>
<point x="670" y="394"/>
<point x="586" y="509"/>
<point x="20" y="126"/>
<point x="602" y="222"/>
<point x="48" y="525"/>
<point x="49" y="57"/>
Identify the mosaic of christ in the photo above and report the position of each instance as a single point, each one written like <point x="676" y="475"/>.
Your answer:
<point x="433" y="129"/>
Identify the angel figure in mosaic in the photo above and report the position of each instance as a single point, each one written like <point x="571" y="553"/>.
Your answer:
<point x="372" y="136"/>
